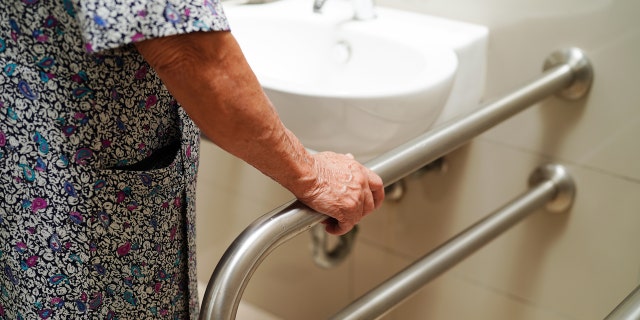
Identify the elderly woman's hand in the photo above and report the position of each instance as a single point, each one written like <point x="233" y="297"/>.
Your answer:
<point x="343" y="189"/>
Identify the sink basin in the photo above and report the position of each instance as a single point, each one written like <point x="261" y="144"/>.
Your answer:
<point x="349" y="86"/>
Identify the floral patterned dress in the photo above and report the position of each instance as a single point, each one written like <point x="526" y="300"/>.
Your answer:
<point x="97" y="162"/>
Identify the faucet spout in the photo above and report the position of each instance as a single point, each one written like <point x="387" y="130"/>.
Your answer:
<point x="363" y="9"/>
<point x="317" y="5"/>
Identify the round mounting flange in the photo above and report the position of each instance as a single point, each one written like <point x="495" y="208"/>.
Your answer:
<point x="581" y="67"/>
<point x="565" y="186"/>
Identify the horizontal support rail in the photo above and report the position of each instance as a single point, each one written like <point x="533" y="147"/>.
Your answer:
<point x="628" y="309"/>
<point x="567" y="73"/>
<point x="551" y="185"/>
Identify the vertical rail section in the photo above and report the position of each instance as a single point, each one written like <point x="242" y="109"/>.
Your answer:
<point x="551" y="185"/>
<point x="567" y="73"/>
<point x="628" y="309"/>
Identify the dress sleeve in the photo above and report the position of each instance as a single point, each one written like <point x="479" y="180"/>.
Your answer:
<point x="108" y="24"/>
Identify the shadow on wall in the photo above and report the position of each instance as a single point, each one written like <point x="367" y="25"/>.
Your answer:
<point x="559" y="116"/>
<point x="542" y="232"/>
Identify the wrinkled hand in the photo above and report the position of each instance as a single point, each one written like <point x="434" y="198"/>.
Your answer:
<point x="343" y="189"/>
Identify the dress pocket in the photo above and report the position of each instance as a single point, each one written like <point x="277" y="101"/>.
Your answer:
<point x="161" y="172"/>
<point x="138" y="236"/>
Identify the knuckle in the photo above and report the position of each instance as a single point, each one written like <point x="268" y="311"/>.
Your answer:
<point x="360" y="179"/>
<point x="350" y="204"/>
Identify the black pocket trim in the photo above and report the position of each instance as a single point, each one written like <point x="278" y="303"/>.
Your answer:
<point x="159" y="159"/>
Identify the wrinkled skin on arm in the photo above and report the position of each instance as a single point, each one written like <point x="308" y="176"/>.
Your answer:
<point x="208" y="75"/>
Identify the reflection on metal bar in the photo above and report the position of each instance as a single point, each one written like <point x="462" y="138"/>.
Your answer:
<point x="628" y="309"/>
<point x="567" y="72"/>
<point x="550" y="184"/>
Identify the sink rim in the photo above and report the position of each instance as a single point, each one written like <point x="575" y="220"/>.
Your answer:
<point x="448" y="57"/>
<point x="339" y="29"/>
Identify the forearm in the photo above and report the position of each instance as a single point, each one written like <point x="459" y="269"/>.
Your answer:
<point x="208" y="74"/>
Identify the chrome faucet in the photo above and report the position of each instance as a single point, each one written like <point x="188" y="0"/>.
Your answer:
<point x="363" y="9"/>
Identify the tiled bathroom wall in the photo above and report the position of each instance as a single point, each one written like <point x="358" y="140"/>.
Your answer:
<point x="578" y="265"/>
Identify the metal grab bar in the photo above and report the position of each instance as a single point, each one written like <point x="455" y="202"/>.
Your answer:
<point x="550" y="184"/>
<point x="628" y="309"/>
<point x="567" y="72"/>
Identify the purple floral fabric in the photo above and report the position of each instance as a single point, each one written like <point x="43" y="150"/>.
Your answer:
<point x="97" y="162"/>
<point x="130" y="21"/>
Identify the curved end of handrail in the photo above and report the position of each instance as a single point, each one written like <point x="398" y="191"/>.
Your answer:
<point x="228" y="281"/>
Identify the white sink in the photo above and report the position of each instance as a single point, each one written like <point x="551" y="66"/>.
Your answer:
<point x="349" y="86"/>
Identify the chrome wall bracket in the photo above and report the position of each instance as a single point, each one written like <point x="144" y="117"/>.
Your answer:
<point x="326" y="255"/>
<point x="581" y="67"/>
<point x="565" y="186"/>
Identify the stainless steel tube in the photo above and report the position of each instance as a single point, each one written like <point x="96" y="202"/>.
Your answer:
<point x="566" y="71"/>
<point x="628" y="309"/>
<point x="549" y="183"/>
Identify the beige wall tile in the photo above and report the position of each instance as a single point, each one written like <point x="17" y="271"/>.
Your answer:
<point x="599" y="132"/>
<point x="289" y="285"/>
<point x="578" y="264"/>
<point x="447" y="297"/>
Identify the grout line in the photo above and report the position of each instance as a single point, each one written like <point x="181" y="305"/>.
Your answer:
<point x="558" y="158"/>
<point x="508" y="295"/>
<point x="389" y="250"/>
